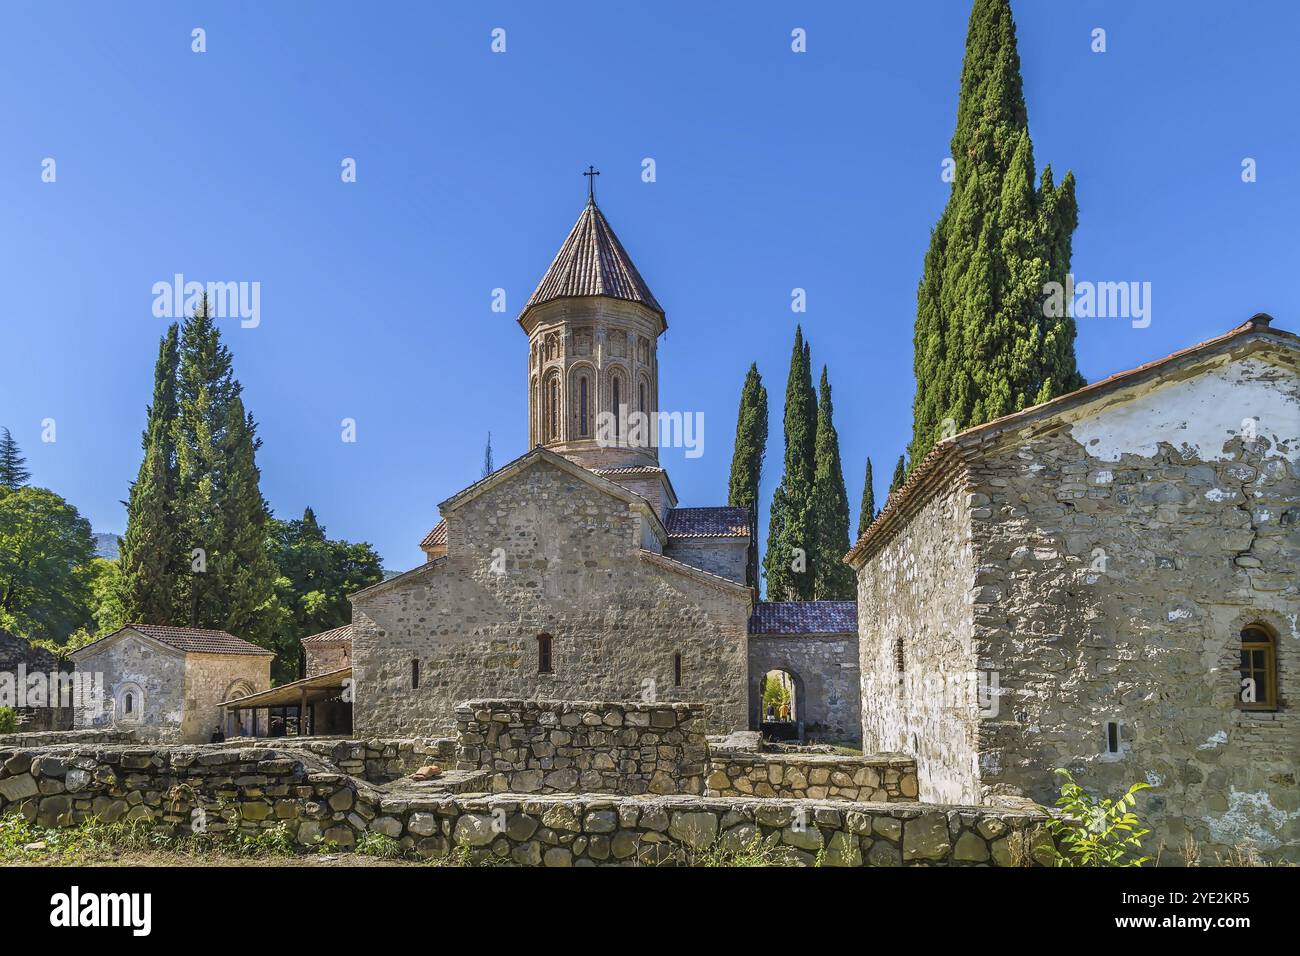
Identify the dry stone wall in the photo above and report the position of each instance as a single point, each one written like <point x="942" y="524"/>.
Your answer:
<point x="219" y="791"/>
<point x="883" y="778"/>
<point x="584" y="746"/>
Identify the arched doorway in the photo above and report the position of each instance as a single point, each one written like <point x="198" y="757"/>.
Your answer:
<point x="781" y="704"/>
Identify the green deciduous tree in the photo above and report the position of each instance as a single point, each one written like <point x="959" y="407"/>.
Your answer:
<point x="984" y="345"/>
<point x="13" y="466"/>
<point x="787" y="563"/>
<point x="833" y="580"/>
<point x="747" y="458"/>
<point x="45" y="551"/>
<point x="314" y="577"/>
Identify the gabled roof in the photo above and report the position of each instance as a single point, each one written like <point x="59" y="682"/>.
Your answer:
<point x="804" y="617"/>
<point x="938" y="462"/>
<point x="437" y="536"/>
<point x="187" y="640"/>
<point x="720" y="522"/>
<point x="337" y="635"/>
<point x="592" y="262"/>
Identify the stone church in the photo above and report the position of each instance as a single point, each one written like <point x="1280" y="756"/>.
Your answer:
<point x="1107" y="583"/>
<point x="572" y="572"/>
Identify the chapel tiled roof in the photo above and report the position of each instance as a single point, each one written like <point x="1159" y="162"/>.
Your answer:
<point x="721" y="522"/>
<point x="927" y="473"/>
<point x="804" y="617"/>
<point x="629" y="470"/>
<point x="337" y="635"/>
<point x="196" y="640"/>
<point x="436" y="536"/>
<point x="592" y="262"/>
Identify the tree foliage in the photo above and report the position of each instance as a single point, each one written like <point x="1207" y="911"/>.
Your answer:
<point x="790" y="542"/>
<point x="13" y="466"/>
<point x="747" y="458"/>
<point x="833" y="580"/>
<point x="45" y="551"/>
<point x="983" y="345"/>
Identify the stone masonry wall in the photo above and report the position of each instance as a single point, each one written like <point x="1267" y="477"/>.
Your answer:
<point x="715" y="555"/>
<point x="583" y="746"/>
<point x="212" y="678"/>
<point x="375" y="761"/>
<point x="545" y="552"/>
<point x="827" y="679"/>
<point x="914" y="597"/>
<point x="1120" y="558"/>
<point x="157" y="672"/>
<point x="881" y="778"/>
<point x="252" y="789"/>
<point x="325" y="657"/>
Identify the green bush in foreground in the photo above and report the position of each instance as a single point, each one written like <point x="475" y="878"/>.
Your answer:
<point x="1095" y="832"/>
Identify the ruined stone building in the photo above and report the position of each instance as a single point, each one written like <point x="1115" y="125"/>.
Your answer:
<point x="1107" y="583"/>
<point x="571" y="572"/>
<point x="168" y="683"/>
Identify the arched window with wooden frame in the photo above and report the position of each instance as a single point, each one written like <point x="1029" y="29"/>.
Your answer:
<point x="1258" y="668"/>
<point x="544" y="654"/>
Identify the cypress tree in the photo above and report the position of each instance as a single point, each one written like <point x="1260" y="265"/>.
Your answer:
<point x="900" y="475"/>
<point x="790" y="542"/>
<point x="984" y="344"/>
<point x="833" y="580"/>
<point x="13" y="466"/>
<point x="868" y="510"/>
<point x="229" y="580"/>
<point x="150" y="547"/>
<point x="747" y="460"/>
<point x="488" y="467"/>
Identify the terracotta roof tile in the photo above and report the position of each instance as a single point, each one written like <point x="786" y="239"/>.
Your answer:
<point x="592" y="262"/>
<point x="804" y="617"/>
<point x="337" y="635"/>
<point x="721" y="522"/>
<point x="437" y="536"/>
<point x="195" y="640"/>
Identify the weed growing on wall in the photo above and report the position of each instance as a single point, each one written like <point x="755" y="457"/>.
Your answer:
<point x="1095" y="832"/>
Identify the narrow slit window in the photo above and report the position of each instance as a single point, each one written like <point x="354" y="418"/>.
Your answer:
<point x="1112" y="736"/>
<point x="582" y="407"/>
<point x="415" y="674"/>
<point x="677" y="670"/>
<point x="128" y="703"/>
<point x="544" y="654"/>
<point x="617" y="395"/>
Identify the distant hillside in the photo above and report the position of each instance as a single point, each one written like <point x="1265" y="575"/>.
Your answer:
<point x="106" y="545"/>
<point x="390" y="574"/>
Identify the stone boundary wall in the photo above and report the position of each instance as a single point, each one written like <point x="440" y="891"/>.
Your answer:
<point x="879" y="778"/>
<point x="250" y="789"/>
<point x="375" y="760"/>
<point x="54" y="738"/>
<point x="574" y="746"/>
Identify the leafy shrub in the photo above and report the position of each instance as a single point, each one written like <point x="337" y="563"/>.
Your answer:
<point x="8" y="720"/>
<point x="1095" y="832"/>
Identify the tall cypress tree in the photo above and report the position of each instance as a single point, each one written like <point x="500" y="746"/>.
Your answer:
<point x="868" y="510"/>
<point x="13" y="466"/>
<point x="900" y="475"/>
<point x="833" y="580"/>
<point x="984" y="345"/>
<point x="150" y="549"/>
<point x="787" y="566"/>
<point x="747" y="460"/>
<point x="228" y="582"/>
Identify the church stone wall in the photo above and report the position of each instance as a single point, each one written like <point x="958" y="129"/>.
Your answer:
<point x="213" y="678"/>
<point x="914" y="609"/>
<point x="1115" y="588"/>
<point x="827" y="679"/>
<point x="327" y="657"/>
<point x="155" y="673"/>
<point x="544" y="551"/>
<point x="723" y="557"/>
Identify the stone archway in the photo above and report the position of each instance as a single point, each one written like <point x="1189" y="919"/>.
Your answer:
<point x="783" y="723"/>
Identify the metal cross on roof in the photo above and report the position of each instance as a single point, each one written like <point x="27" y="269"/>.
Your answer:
<point x="591" y="174"/>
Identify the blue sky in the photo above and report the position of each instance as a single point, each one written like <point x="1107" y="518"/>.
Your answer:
<point x="775" y="170"/>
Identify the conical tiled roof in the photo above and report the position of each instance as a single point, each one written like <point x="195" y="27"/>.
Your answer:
<point x="592" y="262"/>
